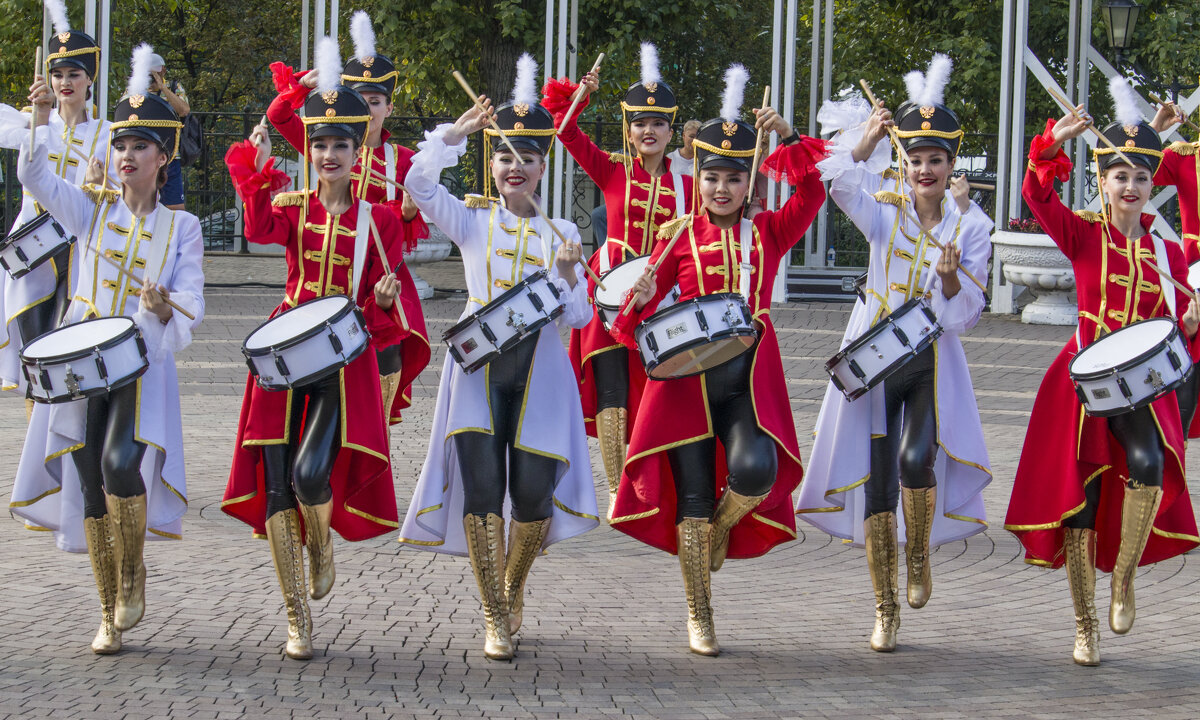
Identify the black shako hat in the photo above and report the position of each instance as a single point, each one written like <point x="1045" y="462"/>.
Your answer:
<point x="528" y="127"/>
<point x="725" y="144"/>
<point x="341" y="112"/>
<point x="150" y="117"/>
<point x="73" y="49"/>
<point x="934" y="125"/>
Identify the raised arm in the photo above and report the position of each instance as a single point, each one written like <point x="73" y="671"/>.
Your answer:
<point x="292" y="89"/>
<point x="1048" y="162"/>
<point x="857" y="160"/>
<point x="70" y="205"/>
<point x="556" y="97"/>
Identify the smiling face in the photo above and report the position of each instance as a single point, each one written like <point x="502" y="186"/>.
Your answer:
<point x="70" y="85"/>
<point x="649" y="136"/>
<point x="1127" y="187"/>
<point x="333" y="156"/>
<point x="723" y="190"/>
<point x="513" y="180"/>
<point x="929" y="172"/>
<point x="137" y="160"/>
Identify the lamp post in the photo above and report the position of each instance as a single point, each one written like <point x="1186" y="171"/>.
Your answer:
<point x="1120" y="17"/>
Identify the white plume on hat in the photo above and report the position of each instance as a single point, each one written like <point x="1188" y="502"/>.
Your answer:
<point x="363" y="35"/>
<point x="928" y="88"/>
<point x="58" y="15"/>
<point x="328" y="64"/>
<point x="650" y="64"/>
<point x="525" y="85"/>
<point x="736" y="78"/>
<point x="1125" y="102"/>
<point x="139" y="70"/>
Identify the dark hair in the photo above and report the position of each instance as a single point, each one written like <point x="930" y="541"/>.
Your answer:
<point x="162" y="171"/>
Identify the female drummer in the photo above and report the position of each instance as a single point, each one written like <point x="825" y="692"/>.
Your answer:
<point x="34" y="303"/>
<point x="305" y="447"/>
<point x="1095" y="492"/>
<point x="919" y="428"/>
<point x="682" y="492"/>
<point x="642" y="192"/>
<point x="380" y="166"/>
<point x="126" y="446"/>
<point x="506" y="435"/>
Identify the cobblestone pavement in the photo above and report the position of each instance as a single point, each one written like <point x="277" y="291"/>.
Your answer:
<point x="604" y="632"/>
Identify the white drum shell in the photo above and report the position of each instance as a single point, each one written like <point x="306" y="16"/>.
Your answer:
<point x="313" y="356"/>
<point x="618" y="282"/>
<point x="1146" y="379"/>
<point x="37" y="245"/>
<point x="878" y="350"/>
<point x="75" y="350"/>
<point x="509" y="319"/>
<point x="676" y="328"/>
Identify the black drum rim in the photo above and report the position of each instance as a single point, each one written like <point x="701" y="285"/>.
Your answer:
<point x="346" y="309"/>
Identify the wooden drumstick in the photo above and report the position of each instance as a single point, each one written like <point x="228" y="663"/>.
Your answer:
<point x="587" y="268"/>
<point x="387" y="267"/>
<point x="1189" y="292"/>
<point x="891" y="129"/>
<point x="121" y="269"/>
<point x="683" y="226"/>
<point x="1066" y="104"/>
<point x="1156" y="99"/>
<point x="79" y="153"/>
<point x="386" y="179"/>
<point x="961" y="268"/>
<point x="475" y="99"/>
<point x="37" y="71"/>
<point x="757" y="149"/>
<point x="579" y="95"/>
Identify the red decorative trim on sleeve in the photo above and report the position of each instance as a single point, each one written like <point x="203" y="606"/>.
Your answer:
<point x="287" y="84"/>
<point x="556" y="97"/>
<point x="1057" y="167"/>
<point x="247" y="180"/>
<point x="791" y="163"/>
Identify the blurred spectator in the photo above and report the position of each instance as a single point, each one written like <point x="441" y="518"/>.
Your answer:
<point x="171" y="194"/>
<point x="681" y="159"/>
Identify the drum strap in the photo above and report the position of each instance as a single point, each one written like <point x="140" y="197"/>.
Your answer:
<point x="389" y="162"/>
<point x="677" y="181"/>
<point x="745" y="269"/>
<point x="361" y="242"/>
<point x="1160" y="258"/>
<point x="160" y="243"/>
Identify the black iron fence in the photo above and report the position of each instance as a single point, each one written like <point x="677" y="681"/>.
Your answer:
<point x="210" y="195"/>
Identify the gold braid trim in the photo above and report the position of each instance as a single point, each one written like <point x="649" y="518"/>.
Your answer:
<point x="288" y="199"/>
<point x="1130" y="149"/>
<point x="887" y="196"/>
<point x="929" y="133"/>
<point x="99" y="195"/>
<point x="478" y="202"/>
<point x="891" y="174"/>
<point x="174" y="124"/>
<point x="618" y="158"/>
<point x="1182" y="148"/>
<point x="722" y="151"/>
<point x="335" y="119"/>
<point x="1090" y="215"/>
<point x="533" y="132"/>
<point x="667" y="230"/>
<point x="380" y="80"/>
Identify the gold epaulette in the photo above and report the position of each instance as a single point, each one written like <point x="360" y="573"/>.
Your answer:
<point x="100" y="195"/>
<point x="667" y="230"/>
<point x="891" y="174"/>
<point x="889" y="197"/>
<point x="293" y="198"/>
<point x="1182" y="148"/>
<point x="1090" y="215"/>
<point x="477" y="202"/>
<point x="620" y="158"/>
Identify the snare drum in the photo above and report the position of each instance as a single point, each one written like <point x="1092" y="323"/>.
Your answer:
<point x="617" y="284"/>
<point x="1130" y="368"/>
<point x="312" y="340"/>
<point x="516" y="314"/>
<point x="884" y="348"/>
<point x="84" y="359"/>
<point x="695" y="335"/>
<point x="32" y="244"/>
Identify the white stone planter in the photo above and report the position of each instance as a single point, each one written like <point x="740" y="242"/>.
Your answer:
<point x="1033" y="260"/>
<point x="434" y="248"/>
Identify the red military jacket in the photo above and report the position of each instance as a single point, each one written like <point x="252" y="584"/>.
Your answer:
<point x="1180" y="168"/>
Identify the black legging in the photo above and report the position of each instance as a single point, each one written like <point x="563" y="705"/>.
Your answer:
<point x="611" y="371"/>
<point x="906" y="454"/>
<point x="45" y="316"/>
<point x="389" y="361"/>
<point x="110" y="459"/>
<point x="301" y="468"/>
<point x="483" y="457"/>
<point x="749" y="452"/>
<point x="1187" y="395"/>
<point x="1137" y="433"/>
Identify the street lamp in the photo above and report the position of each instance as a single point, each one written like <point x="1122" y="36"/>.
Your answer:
<point x="1120" y="16"/>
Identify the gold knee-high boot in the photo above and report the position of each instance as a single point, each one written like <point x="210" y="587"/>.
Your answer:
<point x="880" y="531"/>
<point x="1079" y="547"/>
<point x="320" y="547"/>
<point x="28" y="409"/>
<point x="732" y="508"/>
<point x="104" y="567"/>
<point x="524" y="543"/>
<point x="610" y="432"/>
<point x="919" y="504"/>
<point x="128" y="518"/>
<point x="695" y="556"/>
<point x="283" y="533"/>
<point x="1137" y="518"/>
<point x="485" y="544"/>
<point x="389" y="385"/>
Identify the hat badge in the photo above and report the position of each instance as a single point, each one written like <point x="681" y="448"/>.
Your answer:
<point x="518" y="126"/>
<point x="329" y="96"/>
<point x="651" y="87"/>
<point x="63" y="38"/>
<point x="1130" y="143"/>
<point x="133" y="117"/>
<point x="926" y="125"/>
<point x="521" y="109"/>
<point x="135" y="101"/>
<point x="927" y="111"/>
<point x="330" y="113"/>
<point x="368" y="62"/>
<point x="729" y="128"/>
<point x="1130" y="130"/>
<point x="725" y="144"/>
<point x="366" y="73"/>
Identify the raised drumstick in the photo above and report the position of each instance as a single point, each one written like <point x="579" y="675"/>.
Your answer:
<point x="1066" y="104"/>
<point x="587" y="268"/>
<point x="757" y="149"/>
<point x="475" y="99"/>
<point x="1156" y="99"/>
<point x="683" y="226"/>
<point x="121" y="269"/>
<point x="387" y="266"/>
<point x="37" y="71"/>
<point x="579" y="94"/>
